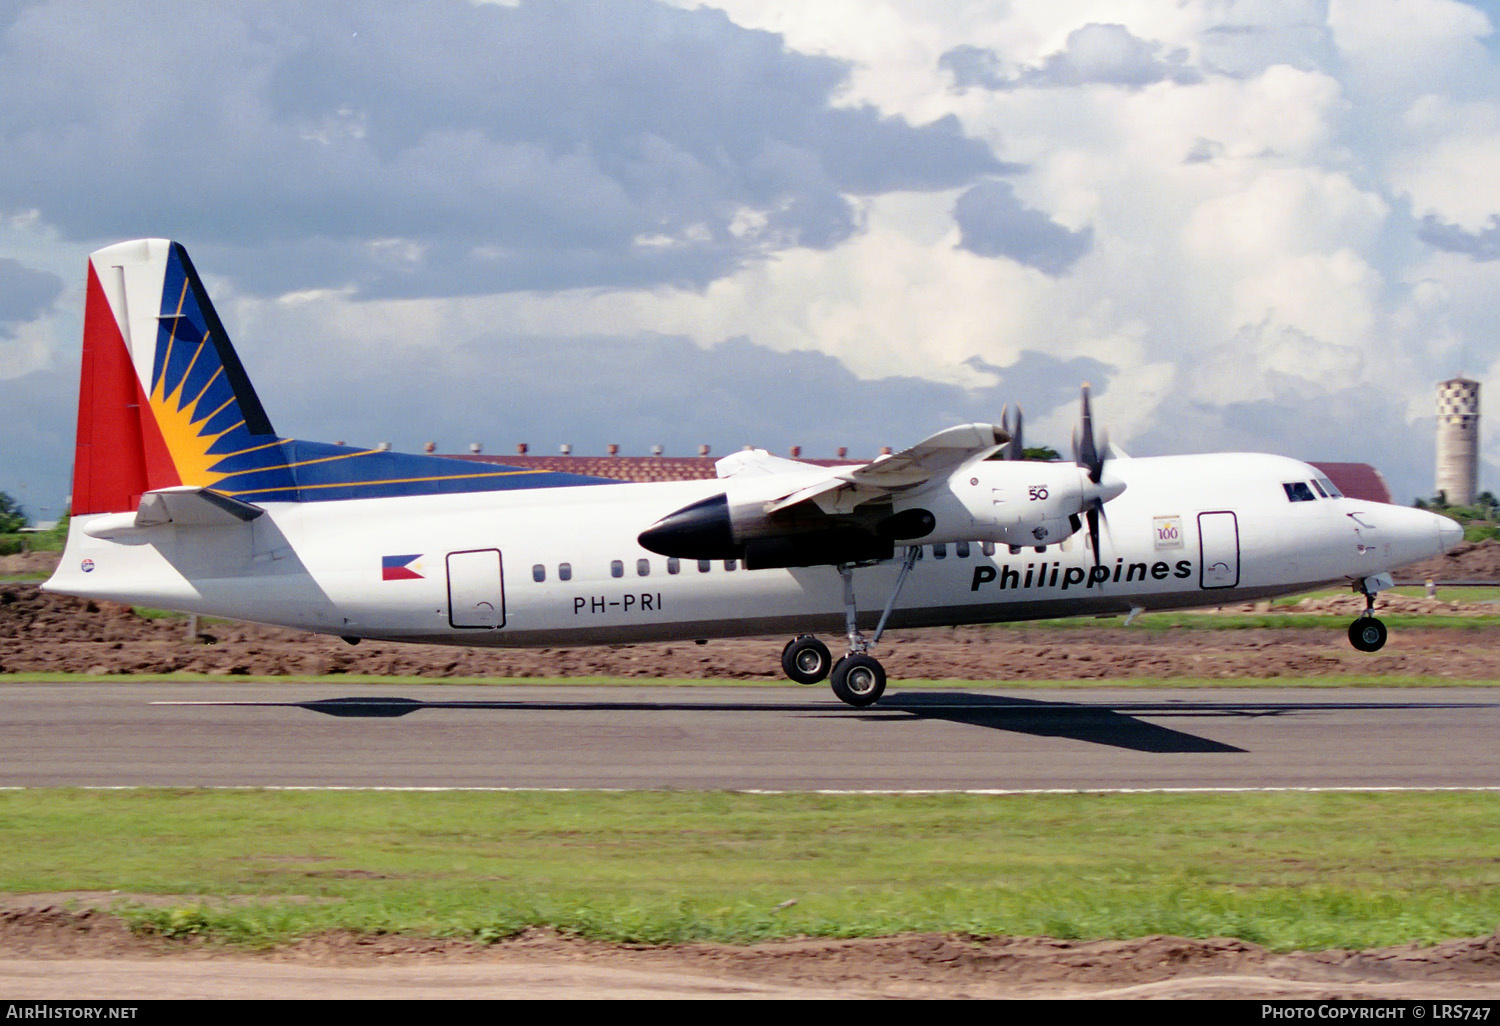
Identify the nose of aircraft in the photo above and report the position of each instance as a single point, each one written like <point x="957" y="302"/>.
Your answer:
<point x="1450" y="532"/>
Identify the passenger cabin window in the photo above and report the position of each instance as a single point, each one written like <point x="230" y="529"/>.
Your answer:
<point x="988" y="548"/>
<point x="642" y="567"/>
<point x="565" y="571"/>
<point x="616" y="568"/>
<point x="705" y="565"/>
<point x="940" y="551"/>
<point x="961" y="550"/>
<point x="730" y="564"/>
<point x="539" y="573"/>
<point x="674" y="565"/>
<point x="1297" y="491"/>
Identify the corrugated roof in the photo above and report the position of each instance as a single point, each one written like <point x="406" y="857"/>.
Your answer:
<point x="1357" y="480"/>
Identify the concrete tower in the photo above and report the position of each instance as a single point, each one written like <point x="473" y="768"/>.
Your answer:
<point x="1458" y="440"/>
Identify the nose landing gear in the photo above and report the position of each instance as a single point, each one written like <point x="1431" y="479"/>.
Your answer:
<point x="1367" y="633"/>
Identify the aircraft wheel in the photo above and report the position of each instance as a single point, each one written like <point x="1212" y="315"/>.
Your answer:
<point x="806" y="660"/>
<point x="1367" y="634"/>
<point x="858" y="680"/>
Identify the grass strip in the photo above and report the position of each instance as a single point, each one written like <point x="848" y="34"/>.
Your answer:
<point x="1305" y="870"/>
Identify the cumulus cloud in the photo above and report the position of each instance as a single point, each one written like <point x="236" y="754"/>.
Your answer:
<point x="25" y="294"/>
<point x="1095" y="54"/>
<point x="1287" y="209"/>
<point x="1483" y="245"/>
<point x="636" y="388"/>
<point x="1309" y="424"/>
<point x="995" y="223"/>
<point x="1245" y="37"/>
<point x="439" y="146"/>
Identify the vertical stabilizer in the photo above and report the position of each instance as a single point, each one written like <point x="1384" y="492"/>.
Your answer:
<point x="164" y="401"/>
<point x="163" y="398"/>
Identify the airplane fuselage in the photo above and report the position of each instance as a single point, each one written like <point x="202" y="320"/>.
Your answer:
<point x="562" y="566"/>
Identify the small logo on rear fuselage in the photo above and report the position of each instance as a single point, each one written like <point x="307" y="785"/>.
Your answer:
<point x="87" y="565"/>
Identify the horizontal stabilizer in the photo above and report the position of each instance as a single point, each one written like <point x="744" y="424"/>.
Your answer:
<point x="180" y="506"/>
<point x="195" y="507"/>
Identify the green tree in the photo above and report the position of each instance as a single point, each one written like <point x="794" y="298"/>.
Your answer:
<point x="12" y="516"/>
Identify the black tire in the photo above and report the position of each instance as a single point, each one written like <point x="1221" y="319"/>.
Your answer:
<point x="1367" y="634"/>
<point x="806" y="660"/>
<point x="858" y="680"/>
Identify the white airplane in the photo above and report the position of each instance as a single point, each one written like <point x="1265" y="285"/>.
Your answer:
<point x="184" y="497"/>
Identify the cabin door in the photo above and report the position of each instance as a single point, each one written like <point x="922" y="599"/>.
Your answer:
<point x="1218" y="550"/>
<point x="476" y="592"/>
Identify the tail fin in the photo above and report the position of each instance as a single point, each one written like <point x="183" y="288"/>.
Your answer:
<point x="164" y="402"/>
<point x="163" y="399"/>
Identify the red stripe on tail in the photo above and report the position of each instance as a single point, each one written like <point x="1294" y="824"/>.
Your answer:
<point x="120" y="452"/>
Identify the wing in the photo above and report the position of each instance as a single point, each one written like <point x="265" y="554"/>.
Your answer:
<point x="755" y="462"/>
<point x="931" y="460"/>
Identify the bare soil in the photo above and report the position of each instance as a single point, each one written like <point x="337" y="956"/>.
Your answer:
<point x="543" y="963"/>
<point x="71" y="946"/>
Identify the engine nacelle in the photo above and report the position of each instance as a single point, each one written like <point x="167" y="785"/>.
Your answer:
<point x="1011" y="503"/>
<point x="715" y="528"/>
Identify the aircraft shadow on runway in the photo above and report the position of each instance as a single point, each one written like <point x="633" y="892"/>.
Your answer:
<point x="1094" y="723"/>
<point x="1116" y="724"/>
<point x="1080" y="721"/>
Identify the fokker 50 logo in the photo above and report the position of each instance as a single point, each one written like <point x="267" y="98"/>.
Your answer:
<point x="400" y="568"/>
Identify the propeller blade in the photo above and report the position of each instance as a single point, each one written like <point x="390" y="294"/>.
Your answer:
<point x="1086" y="453"/>
<point x="1092" y="514"/>
<point x="1015" y="449"/>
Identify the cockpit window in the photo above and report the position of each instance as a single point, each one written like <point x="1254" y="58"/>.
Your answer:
<point x="1330" y="488"/>
<point x="1297" y="491"/>
<point x="1319" y="488"/>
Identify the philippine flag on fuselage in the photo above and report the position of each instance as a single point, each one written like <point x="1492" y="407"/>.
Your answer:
<point x="398" y="568"/>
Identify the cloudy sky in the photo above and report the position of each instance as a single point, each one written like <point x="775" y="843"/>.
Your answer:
<point x="1251" y="224"/>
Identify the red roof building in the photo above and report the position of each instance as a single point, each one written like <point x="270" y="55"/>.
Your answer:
<point x="1356" y="480"/>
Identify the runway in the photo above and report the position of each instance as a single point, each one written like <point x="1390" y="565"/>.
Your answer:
<point x="775" y="738"/>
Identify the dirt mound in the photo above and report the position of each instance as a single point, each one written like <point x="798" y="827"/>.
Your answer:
<point x="29" y="563"/>
<point x="1468" y="561"/>
<point x="913" y="965"/>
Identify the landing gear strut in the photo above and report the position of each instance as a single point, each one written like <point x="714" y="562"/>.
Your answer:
<point x="1367" y="633"/>
<point x="858" y="679"/>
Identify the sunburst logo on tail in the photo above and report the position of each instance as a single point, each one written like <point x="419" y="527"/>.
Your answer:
<point x="185" y="431"/>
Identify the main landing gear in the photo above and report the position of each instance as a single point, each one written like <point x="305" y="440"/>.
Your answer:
<point x="857" y="679"/>
<point x="1367" y="633"/>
